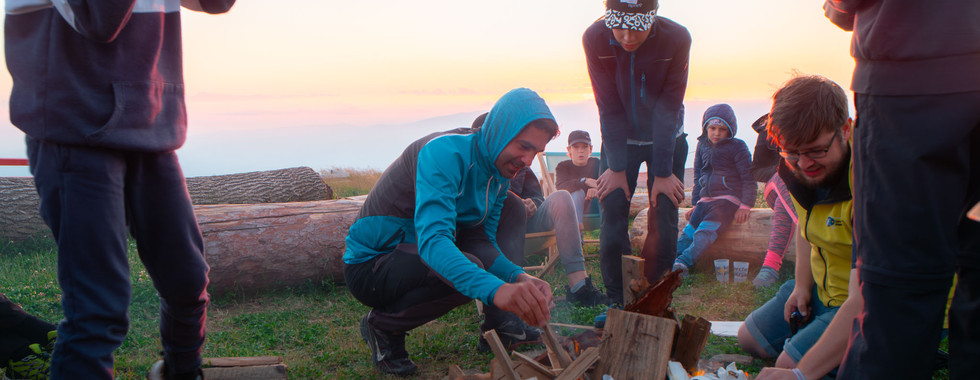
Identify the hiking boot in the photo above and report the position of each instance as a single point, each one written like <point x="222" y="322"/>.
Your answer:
<point x="512" y="333"/>
<point x="767" y="277"/>
<point x="33" y="365"/>
<point x="159" y="372"/>
<point x="587" y="295"/>
<point x="600" y="320"/>
<point x="679" y="266"/>
<point x="52" y="337"/>
<point x="387" y="350"/>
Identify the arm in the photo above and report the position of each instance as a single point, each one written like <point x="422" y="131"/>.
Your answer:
<point x="666" y="115"/>
<point x="612" y="116"/>
<point x="696" y="190"/>
<point x="829" y="350"/>
<point x="841" y="12"/>
<point x="743" y="161"/>
<point x="801" y="296"/>
<point x="99" y="21"/>
<point x="567" y="178"/>
<point x="437" y="182"/>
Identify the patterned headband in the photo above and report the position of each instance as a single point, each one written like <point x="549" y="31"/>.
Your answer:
<point x="626" y="20"/>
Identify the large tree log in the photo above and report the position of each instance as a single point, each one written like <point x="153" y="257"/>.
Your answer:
<point x="739" y="242"/>
<point x="19" y="217"/>
<point x="261" y="246"/>
<point x="298" y="184"/>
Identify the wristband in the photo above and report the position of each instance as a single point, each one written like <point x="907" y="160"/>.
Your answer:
<point x="799" y="374"/>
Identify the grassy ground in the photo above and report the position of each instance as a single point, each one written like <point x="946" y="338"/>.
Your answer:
<point x="314" y="327"/>
<point x="357" y="182"/>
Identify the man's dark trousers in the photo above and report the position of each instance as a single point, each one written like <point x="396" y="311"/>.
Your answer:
<point x="916" y="172"/>
<point x="91" y="198"/>
<point x="614" y="221"/>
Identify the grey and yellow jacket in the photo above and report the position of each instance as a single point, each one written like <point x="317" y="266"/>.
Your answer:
<point x="443" y="183"/>
<point x="99" y="73"/>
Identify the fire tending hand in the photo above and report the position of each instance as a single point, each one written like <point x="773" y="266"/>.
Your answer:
<point x="609" y="181"/>
<point x="530" y="298"/>
<point x="591" y="194"/>
<point x="798" y="300"/>
<point x="742" y="215"/>
<point x="670" y="186"/>
<point x="770" y="373"/>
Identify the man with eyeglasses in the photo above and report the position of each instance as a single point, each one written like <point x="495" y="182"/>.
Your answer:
<point x="809" y="123"/>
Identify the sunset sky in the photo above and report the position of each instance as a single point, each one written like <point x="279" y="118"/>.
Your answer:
<point x="275" y="84"/>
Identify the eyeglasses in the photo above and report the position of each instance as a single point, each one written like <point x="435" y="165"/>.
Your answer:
<point x="812" y="154"/>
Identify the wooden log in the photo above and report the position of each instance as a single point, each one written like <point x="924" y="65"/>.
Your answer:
<point x="19" y="215"/>
<point x="298" y="184"/>
<point x="20" y="219"/>
<point x="551" y="341"/>
<point x="635" y="346"/>
<point x="245" y="368"/>
<point x="261" y="246"/>
<point x="500" y="354"/>
<point x="739" y="242"/>
<point x="580" y="365"/>
<point x="534" y="368"/>
<point x="632" y="275"/>
<point x="690" y="342"/>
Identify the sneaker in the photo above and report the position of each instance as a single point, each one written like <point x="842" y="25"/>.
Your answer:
<point x="159" y="372"/>
<point x="52" y="337"/>
<point x="600" y="320"/>
<point x="587" y="295"/>
<point x="766" y="277"/>
<point x="679" y="266"/>
<point x="512" y="333"/>
<point x="32" y="366"/>
<point x="387" y="350"/>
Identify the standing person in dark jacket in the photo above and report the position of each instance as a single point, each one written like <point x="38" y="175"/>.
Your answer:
<point x="916" y="172"/>
<point x="98" y="89"/>
<point x="765" y="161"/>
<point x="723" y="189"/>
<point x="638" y="64"/>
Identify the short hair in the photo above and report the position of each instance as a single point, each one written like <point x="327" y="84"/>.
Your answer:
<point x="549" y="126"/>
<point x="805" y="107"/>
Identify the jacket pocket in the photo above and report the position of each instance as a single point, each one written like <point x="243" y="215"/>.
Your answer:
<point x="146" y="116"/>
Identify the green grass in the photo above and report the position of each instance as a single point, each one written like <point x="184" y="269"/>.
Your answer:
<point x="358" y="181"/>
<point x="315" y="327"/>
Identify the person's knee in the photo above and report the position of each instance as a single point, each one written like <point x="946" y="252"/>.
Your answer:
<point x="785" y="361"/>
<point x="749" y="344"/>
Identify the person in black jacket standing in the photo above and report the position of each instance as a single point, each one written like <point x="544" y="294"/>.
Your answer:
<point x="638" y="64"/>
<point x="98" y="89"/>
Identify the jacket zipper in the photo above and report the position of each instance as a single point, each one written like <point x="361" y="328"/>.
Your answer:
<point x="486" y="211"/>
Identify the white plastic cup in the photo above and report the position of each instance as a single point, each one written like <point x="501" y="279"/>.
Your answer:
<point x="740" y="269"/>
<point x="721" y="270"/>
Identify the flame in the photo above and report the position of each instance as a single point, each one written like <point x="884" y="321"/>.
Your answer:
<point x="699" y="372"/>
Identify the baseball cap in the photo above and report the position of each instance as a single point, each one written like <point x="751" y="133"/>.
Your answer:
<point x="579" y="136"/>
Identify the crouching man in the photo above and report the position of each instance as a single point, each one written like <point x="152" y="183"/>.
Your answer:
<point x="425" y="241"/>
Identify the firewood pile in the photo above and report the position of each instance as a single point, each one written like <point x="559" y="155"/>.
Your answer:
<point x="637" y="342"/>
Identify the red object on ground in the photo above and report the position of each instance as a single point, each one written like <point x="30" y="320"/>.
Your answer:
<point x="13" y="162"/>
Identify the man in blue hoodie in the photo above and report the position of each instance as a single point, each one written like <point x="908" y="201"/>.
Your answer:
<point x="638" y="65"/>
<point x="916" y="172"/>
<point x="426" y="239"/>
<point x="99" y="91"/>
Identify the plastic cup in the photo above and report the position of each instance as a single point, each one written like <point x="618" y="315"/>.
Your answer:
<point x="721" y="270"/>
<point x="740" y="271"/>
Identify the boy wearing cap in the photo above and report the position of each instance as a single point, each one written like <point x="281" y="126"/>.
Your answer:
<point x="723" y="187"/>
<point x="578" y="175"/>
<point x="638" y="64"/>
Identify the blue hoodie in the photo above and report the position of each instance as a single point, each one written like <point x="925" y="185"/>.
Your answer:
<point x="723" y="169"/>
<point x="441" y="183"/>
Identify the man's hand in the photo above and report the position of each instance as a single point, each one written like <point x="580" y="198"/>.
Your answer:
<point x="530" y="298"/>
<point x="687" y="215"/>
<point x="610" y="181"/>
<point x="591" y="194"/>
<point x="798" y="300"/>
<point x="670" y="186"/>
<point x="770" y="373"/>
<point x="530" y="207"/>
<point x="741" y="216"/>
